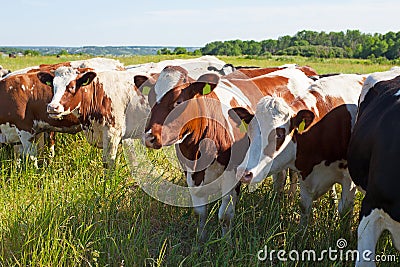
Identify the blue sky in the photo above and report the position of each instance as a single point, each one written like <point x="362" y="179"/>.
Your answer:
<point x="184" y="23"/>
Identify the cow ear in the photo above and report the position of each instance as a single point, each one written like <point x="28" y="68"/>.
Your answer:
<point x="144" y="84"/>
<point x="139" y="80"/>
<point x="302" y="120"/>
<point x="243" y="114"/>
<point x="46" y="78"/>
<point x="244" y="117"/>
<point x="205" y="84"/>
<point x="86" y="79"/>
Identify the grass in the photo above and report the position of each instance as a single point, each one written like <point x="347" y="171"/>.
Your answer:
<point x="66" y="213"/>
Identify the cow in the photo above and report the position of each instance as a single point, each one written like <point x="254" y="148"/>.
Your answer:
<point x="373" y="153"/>
<point x="193" y="116"/>
<point x="23" y="112"/>
<point x="23" y="116"/>
<point x="107" y="104"/>
<point x="309" y="134"/>
<point x="4" y="72"/>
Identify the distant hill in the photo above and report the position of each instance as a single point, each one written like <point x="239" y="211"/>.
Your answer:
<point x="94" y="50"/>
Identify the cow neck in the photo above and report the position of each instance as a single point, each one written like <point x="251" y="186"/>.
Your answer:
<point x="95" y="105"/>
<point x="326" y="140"/>
<point x="206" y="128"/>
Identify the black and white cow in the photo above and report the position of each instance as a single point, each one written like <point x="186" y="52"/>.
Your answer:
<point x="373" y="154"/>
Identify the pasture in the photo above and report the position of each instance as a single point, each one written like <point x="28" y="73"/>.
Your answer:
<point x="67" y="213"/>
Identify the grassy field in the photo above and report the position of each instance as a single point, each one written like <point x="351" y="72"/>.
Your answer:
<point x="66" y="213"/>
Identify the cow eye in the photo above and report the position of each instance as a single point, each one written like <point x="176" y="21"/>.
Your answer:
<point x="71" y="89"/>
<point x="178" y="102"/>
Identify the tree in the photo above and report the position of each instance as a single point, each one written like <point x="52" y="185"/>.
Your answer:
<point x="29" y="52"/>
<point x="63" y="52"/>
<point x="180" y="51"/>
<point x="164" y="51"/>
<point x="269" y="46"/>
<point x="350" y="44"/>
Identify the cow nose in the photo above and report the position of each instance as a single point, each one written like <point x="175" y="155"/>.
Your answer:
<point x="247" y="176"/>
<point x="54" y="108"/>
<point x="150" y="141"/>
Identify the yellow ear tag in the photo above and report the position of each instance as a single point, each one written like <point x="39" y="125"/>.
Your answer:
<point x="146" y="90"/>
<point x="302" y="125"/>
<point x="243" y="127"/>
<point x="48" y="83"/>
<point x="206" y="89"/>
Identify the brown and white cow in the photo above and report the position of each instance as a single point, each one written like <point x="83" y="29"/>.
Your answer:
<point x="309" y="134"/>
<point x="107" y="105"/>
<point x="194" y="116"/>
<point x="25" y="99"/>
<point x="23" y="112"/>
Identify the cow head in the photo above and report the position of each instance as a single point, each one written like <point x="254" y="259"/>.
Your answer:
<point x="180" y="106"/>
<point x="4" y="72"/>
<point x="69" y="87"/>
<point x="271" y="132"/>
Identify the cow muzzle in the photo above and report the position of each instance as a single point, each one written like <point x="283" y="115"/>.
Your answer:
<point x="151" y="141"/>
<point x="244" y="175"/>
<point x="55" y="110"/>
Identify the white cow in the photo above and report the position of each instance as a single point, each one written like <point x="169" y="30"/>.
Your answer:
<point x="309" y="134"/>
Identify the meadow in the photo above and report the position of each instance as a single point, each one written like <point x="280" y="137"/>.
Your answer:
<point x="67" y="213"/>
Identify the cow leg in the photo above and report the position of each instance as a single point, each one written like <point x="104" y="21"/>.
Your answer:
<point x="279" y="180"/>
<point x="349" y="189"/>
<point x="306" y="201"/>
<point x="227" y="211"/>
<point x="368" y="232"/>
<point x="311" y="189"/>
<point x="29" y="149"/>
<point x="18" y="150"/>
<point x="293" y="178"/>
<point x="199" y="201"/>
<point x="50" y="143"/>
<point x="111" y="140"/>
<point x="201" y="211"/>
<point x="333" y="196"/>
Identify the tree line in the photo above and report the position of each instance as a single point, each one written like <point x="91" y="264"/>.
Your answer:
<point x="349" y="44"/>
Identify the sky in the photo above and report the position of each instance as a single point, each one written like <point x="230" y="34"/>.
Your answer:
<point x="184" y="23"/>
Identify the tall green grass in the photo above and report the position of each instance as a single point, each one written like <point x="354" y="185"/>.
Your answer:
<point x="67" y="213"/>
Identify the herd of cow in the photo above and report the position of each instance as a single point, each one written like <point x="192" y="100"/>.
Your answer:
<point x="229" y="126"/>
